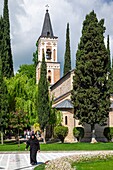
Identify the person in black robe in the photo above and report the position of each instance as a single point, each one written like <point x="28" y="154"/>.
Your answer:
<point x="34" y="147"/>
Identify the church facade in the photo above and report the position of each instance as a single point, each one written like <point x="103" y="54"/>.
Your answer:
<point x="60" y="88"/>
<point x="61" y="91"/>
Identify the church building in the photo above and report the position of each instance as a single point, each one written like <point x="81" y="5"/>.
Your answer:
<point x="60" y="88"/>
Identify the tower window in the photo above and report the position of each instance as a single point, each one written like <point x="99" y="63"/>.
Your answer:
<point x="54" y="54"/>
<point x="49" y="71"/>
<point x="49" y="79"/>
<point x="48" y="34"/>
<point x="48" y="54"/>
<point x="65" y="120"/>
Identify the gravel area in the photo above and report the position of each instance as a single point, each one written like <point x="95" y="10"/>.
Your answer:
<point x="64" y="163"/>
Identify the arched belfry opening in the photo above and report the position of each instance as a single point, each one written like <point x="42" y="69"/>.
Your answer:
<point x="48" y="54"/>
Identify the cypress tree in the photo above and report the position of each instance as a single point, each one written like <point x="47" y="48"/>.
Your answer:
<point x="90" y="94"/>
<point x="43" y="97"/>
<point x="108" y="49"/>
<point x="7" y="61"/>
<point x="1" y="37"/>
<point x="67" y="59"/>
<point x="35" y="56"/>
<point x="35" y="60"/>
<point x="3" y="103"/>
<point x="111" y="78"/>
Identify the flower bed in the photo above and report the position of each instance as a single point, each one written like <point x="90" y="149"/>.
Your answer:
<point x="65" y="163"/>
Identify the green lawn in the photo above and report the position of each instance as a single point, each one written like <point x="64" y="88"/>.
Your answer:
<point x="40" y="167"/>
<point x="106" y="164"/>
<point x="76" y="146"/>
<point x="59" y="146"/>
<point x="95" y="165"/>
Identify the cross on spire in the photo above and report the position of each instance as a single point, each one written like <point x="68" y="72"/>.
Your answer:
<point x="47" y="7"/>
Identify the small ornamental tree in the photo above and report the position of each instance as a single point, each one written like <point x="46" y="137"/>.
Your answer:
<point x="78" y="132"/>
<point x="67" y="59"/>
<point x="61" y="132"/>
<point x="90" y="95"/>
<point x="108" y="133"/>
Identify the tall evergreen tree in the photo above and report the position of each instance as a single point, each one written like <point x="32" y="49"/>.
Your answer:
<point x="111" y="78"/>
<point x="90" y="85"/>
<point x="67" y="59"/>
<point x="108" y="49"/>
<point x="43" y="105"/>
<point x="35" y="60"/>
<point x="1" y="37"/>
<point x="7" y="56"/>
<point x="35" y="56"/>
<point x="3" y="103"/>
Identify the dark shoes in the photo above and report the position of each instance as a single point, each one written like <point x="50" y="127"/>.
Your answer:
<point x="34" y="163"/>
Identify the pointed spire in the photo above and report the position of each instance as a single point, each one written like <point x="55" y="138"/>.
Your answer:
<point x="47" y="27"/>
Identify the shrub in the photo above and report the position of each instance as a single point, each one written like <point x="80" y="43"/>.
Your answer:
<point x="61" y="132"/>
<point x="108" y="133"/>
<point x="78" y="132"/>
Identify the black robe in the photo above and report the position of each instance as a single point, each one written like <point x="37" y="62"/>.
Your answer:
<point x="34" y="147"/>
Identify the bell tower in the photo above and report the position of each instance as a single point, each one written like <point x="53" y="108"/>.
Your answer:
<point x="47" y="43"/>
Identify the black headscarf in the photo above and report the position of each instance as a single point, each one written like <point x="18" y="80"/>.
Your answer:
<point x="32" y="138"/>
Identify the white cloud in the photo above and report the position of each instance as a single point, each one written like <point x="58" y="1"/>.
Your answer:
<point x="27" y="18"/>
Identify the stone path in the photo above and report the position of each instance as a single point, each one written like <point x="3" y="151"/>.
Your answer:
<point x="20" y="161"/>
<point x="17" y="161"/>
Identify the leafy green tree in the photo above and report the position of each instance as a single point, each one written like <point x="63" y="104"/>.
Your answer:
<point x="3" y="103"/>
<point x="67" y="60"/>
<point x="17" y="122"/>
<point x="28" y="70"/>
<point x="22" y="92"/>
<point x="7" y="60"/>
<point x="35" y="56"/>
<point x="90" y="95"/>
<point x="43" y="97"/>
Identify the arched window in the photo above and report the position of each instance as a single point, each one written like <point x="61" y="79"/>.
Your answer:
<point x="48" y="34"/>
<point x="49" y="71"/>
<point x="48" y="54"/>
<point x="49" y="79"/>
<point x="54" y="54"/>
<point x="65" y="120"/>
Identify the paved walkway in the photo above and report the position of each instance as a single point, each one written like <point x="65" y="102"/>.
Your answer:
<point x="20" y="161"/>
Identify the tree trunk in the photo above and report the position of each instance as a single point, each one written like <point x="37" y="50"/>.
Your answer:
<point x="18" y="138"/>
<point x="2" y="140"/>
<point x="93" y="137"/>
<point x="43" y="135"/>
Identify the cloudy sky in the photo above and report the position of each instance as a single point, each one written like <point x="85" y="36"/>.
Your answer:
<point x="27" y="16"/>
